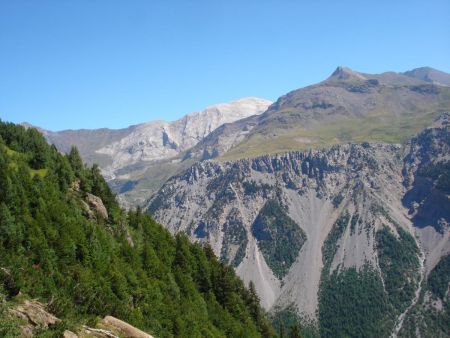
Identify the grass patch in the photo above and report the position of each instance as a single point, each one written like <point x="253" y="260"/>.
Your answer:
<point x="39" y="172"/>
<point x="377" y="126"/>
<point x="17" y="158"/>
<point x="11" y="152"/>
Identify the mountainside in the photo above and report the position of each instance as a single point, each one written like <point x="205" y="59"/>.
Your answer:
<point x="430" y="75"/>
<point x="353" y="238"/>
<point x="160" y="140"/>
<point x="71" y="259"/>
<point x="347" y="107"/>
<point x="131" y="158"/>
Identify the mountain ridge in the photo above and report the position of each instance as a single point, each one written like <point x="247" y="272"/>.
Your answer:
<point x="132" y="158"/>
<point x="387" y="107"/>
<point x="348" y="106"/>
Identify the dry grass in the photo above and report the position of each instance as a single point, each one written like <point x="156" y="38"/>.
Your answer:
<point x="377" y="126"/>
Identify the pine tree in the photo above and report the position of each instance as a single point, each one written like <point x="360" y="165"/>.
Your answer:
<point x="253" y="301"/>
<point x="10" y="234"/>
<point x="75" y="160"/>
<point x="295" y="332"/>
<point x="281" y="329"/>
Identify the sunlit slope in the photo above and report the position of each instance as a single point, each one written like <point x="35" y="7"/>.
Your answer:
<point x="347" y="107"/>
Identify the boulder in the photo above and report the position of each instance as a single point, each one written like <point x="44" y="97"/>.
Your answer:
<point x="90" y="332"/>
<point x="75" y="186"/>
<point x="34" y="312"/>
<point x="35" y="316"/>
<point x="69" y="334"/>
<point x="96" y="203"/>
<point x="121" y="328"/>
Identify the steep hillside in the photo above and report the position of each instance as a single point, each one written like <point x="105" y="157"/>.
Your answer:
<point x="70" y="255"/>
<point x="131" y="159"/>
<point x="342" y="235"/>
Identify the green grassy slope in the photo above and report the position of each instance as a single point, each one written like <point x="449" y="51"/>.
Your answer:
<point x="385" y="114"/>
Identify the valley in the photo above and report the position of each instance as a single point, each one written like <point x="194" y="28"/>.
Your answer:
<point x="332" y="201"/>
<point x="224" y="169"/>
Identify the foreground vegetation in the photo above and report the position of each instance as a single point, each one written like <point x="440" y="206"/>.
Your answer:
<point x="85" y="264"/>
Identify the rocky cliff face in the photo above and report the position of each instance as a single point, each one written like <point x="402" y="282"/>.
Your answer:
<point x="293" y="222"/>
<point x="427" y="179"/>
<point x="161" y="140"/>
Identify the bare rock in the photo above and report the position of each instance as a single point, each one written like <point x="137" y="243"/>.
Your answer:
<point x="88" y="210"/>
<point x="99" y="333"/>
<point x="35" y="313"/>
<point x="75" y="185"/>
<point x="121" y="328"/>
<point x="96" y="203"/>
<point x="27" y="331"/>
<point x="69" y="334"/>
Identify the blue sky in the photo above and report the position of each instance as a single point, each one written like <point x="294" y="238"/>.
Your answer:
<point x="91" y="64"/>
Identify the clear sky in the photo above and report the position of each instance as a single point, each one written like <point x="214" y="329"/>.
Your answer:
<point x="105" y="63"/>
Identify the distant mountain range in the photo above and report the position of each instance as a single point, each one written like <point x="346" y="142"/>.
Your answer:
<point x="347" y="107"/>
<point x="136" y="158"/>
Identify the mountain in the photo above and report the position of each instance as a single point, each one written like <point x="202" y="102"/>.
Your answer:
<point x="135" y="159"/>
<point x="326" y="188"/>
<point x="430" y="75"/>
<point x="347" y="237"/>
<point x="71" y="259"/>
<point x="347" y="107"/>
<point x="161" y="140"/>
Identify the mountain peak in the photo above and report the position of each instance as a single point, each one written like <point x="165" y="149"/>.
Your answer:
<point x="345" y="73"/>
<point x="429" y="74"/>
<point x="242" y="104"/>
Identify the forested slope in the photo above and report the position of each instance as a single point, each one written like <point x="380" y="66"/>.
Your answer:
<point x="65" y="241"/>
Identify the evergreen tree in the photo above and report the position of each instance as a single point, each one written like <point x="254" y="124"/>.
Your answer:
<point x="10" y="234"/>
<point x="281" y="329"/>
<point x="295" y="332"/>
<point x="75" y="160"/>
